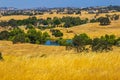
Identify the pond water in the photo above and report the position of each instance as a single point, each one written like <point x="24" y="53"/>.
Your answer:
<point x="54" y="43"/>
<point x="51" y="43"/>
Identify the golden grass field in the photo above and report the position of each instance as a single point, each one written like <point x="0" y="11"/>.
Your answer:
<point x="37" y="62"/>
<point x="91" y="29"/>
<point x="45" y="16"/>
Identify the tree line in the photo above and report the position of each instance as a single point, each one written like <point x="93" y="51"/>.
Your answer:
<point x="49" y="22"/>
<point x="105" y="20"/>
<point x="65" y="22"/>
<point x="19" y="36"/>
<point x="80" y="43"/>
<point x="83" y="43"/>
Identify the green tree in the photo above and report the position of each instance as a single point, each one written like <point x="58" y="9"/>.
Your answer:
<point x="57" y="33"/>
<point x="15" y="32"/>
<point x="104" y="43"/>
<point x="13" y="23"/>
<point x="4" y="35"/>
<point x="116" y="17"/>
<point x="32" y="35"/>
<point x="20" y="38"/>
<point x="45" y="37"/>
<point x="80" y="42"/>
<point x="104" y="21"/>
<point x="56" y="21"/>
<point x="62" y="42"/>
<point x="29" y="26"/>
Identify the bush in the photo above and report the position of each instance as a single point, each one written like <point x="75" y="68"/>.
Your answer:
<point x="62" y="42"/>
<point x="93" y="20"/>
<point x="118" y="42"/>
<point x="27" y="40"/>
<point x="57" y="33"/>
<point x="1" y="58"/>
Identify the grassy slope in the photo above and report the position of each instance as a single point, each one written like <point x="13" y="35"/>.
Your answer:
<point x="84" y="15"/>
<point x="24" y="62"/>
<point x="92" y="29"/>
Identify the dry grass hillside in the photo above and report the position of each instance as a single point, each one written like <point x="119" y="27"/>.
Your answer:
<point x="95" y="30"/>
<point x="28" y="49"/>
<point x="45" y="16"/>
<point x="92" y="29"/>
<point x="40" y="62"/>
<point x="33" y="62"/>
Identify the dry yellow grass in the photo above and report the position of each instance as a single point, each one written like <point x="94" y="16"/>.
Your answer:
<point x="45" y="16"/>
<point x="39" y="62"/>
<point x="95" y="30"/>
<point x="92" y="29"/>
<point x="16" y="17"/>
<point x="60" y="65"/>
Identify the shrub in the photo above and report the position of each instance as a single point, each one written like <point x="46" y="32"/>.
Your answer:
<point x="27" y="40"/>
<point x="117" y="42"/>
<point x="62" y="42"/>
<point x="1" y="58"/>
<point x="93" y="20"/>
<point x="57" y="33"/>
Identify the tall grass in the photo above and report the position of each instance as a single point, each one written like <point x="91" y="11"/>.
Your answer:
<point x="91" y="66"/>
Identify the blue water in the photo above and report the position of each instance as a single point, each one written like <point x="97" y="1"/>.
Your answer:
<point x="69" y="41"/>
<point x="51" y="43"/>
<point x="54" y="43"/>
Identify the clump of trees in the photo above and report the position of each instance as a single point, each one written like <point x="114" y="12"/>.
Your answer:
<point x="104" y="43"/>
<point x="83" y="43"/>
<point x="55" y="22"/>
<point x="79" y="43"/>
<point x="104" y="21"/>
<point x="73" y="21"/>
<point x="19" y="36"/>
<point x="114" y="17"/>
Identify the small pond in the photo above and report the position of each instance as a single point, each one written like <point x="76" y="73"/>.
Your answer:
<point x="55" y="43"/>
<point x="51" y="43"/>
